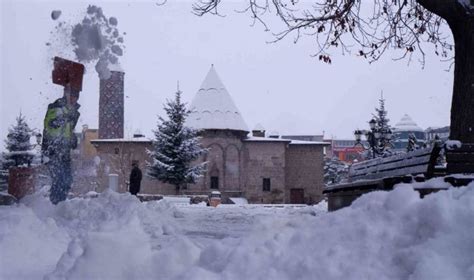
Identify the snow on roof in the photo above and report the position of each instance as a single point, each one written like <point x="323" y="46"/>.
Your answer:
<point x="266" y="139"/>
<point x="407" y="124"/>
<point x="300" y="142"/>
<point x="130" y="139"/>
<point x="292" y="142"/>
<point x="213" y="107"/>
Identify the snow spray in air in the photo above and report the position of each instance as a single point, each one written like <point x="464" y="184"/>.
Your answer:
<point x="95" y="38"/>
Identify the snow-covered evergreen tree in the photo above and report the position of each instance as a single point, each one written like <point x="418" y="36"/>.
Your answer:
<point x="335" y="170"/>
<point x="380" y="136"/>
<point x="19" y="150"/>
<point x="175" y="148"/>
<point x="382" y="124"/>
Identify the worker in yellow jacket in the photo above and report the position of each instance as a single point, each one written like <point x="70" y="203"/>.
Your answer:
<point x="58" y="135"/>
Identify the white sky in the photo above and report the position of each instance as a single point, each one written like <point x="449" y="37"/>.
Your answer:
<point x="278" y="85"/>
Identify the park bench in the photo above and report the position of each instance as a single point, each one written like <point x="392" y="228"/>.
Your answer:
<point x="417" y="166"/>
<point x="383" y="173"/>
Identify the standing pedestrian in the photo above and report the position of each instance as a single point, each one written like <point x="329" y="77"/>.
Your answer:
<point x="135" y="178"/>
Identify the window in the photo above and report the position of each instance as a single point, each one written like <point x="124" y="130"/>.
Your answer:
<point x="214" y="182"/>
<point x="266" y="184"/>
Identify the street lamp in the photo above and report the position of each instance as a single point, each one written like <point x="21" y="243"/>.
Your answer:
<point x="372" y="124"/>
<point x="378" y="139"/>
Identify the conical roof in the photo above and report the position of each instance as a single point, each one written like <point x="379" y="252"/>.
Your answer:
<point x="213" y="107"/>
<point x="407" y="124"/>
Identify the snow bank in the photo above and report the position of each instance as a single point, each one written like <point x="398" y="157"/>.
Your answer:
<point x="89" y="238"/>
<point x="383" y="235"/>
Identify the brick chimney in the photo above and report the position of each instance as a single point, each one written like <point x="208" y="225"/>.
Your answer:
<point x="258" y="131"/>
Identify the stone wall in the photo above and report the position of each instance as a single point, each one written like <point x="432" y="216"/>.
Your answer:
<point x="304" y="170"/>
<point x="224" y="160"/>
<point x="241" y="167"/>
<point x="264" y="160"/>
<point x="117" y="157"/>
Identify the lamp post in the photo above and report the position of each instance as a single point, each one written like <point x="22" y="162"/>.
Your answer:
<point x="378" y="138"/>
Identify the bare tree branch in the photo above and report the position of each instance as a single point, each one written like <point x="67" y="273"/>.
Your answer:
<point x="369" y="29"/>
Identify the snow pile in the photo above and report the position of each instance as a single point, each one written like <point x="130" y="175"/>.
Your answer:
<point x="433" y="183"/>
<point x="453" y="144"/>
<point x="88" y="238"/>
<point x="383" y="235"/>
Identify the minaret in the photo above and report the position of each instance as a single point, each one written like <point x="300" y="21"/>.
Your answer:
<point x="111" y="104"/>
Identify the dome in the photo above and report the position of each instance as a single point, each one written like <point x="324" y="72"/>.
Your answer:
<point x="213" y="107"/>
<point x="407" y="124"/>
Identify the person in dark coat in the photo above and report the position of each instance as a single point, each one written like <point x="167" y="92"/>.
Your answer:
<point x="135" y="178"/>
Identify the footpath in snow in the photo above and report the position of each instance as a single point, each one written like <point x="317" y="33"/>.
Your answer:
<point x="383" y="235"/>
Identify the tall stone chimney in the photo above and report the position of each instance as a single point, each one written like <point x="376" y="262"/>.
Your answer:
<point x="111" y="105"/>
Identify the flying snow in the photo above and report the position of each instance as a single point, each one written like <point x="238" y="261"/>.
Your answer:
<point x="55" y="14"/>
<point x="95" y="39"/>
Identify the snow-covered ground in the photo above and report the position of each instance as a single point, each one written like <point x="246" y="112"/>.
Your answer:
<point x="383" y="235"/>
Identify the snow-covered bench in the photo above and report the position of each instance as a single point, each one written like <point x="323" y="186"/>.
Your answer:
<point x="420" y="165"/>
<point x="383" y="173"/>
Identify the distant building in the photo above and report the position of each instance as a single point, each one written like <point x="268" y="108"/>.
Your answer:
<point x="345" y="150"/>
<point x="316" y="138"/>
<point x="441" y="132"/>
<point x="403" y="129"/>
<point x="259" y="168"/>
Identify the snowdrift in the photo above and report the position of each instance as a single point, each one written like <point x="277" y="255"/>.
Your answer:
<point x="383" y="235"/>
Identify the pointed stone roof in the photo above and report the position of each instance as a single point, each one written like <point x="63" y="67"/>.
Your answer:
<point x="407" y="124"/>
<point x="213" y="107"/>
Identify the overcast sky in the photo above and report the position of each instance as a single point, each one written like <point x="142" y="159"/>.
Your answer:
<point x="278" y="85"/>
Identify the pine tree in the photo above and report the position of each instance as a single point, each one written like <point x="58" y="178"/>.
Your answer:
<point x="381" y="116"/>
<point x="335" y="170"/>
<point x="18" y="144"/>
<point x="382" y="126"/>
<point x="175" y="148"/>
<point x="19" y="150"/>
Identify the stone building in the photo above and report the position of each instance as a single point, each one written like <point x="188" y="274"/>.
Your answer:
<point x="263" y="170"/>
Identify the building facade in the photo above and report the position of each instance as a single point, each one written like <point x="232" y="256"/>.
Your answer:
<point x="261" y="169"/>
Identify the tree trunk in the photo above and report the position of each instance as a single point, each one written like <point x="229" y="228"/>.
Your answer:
<point x="462" y="106"/>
